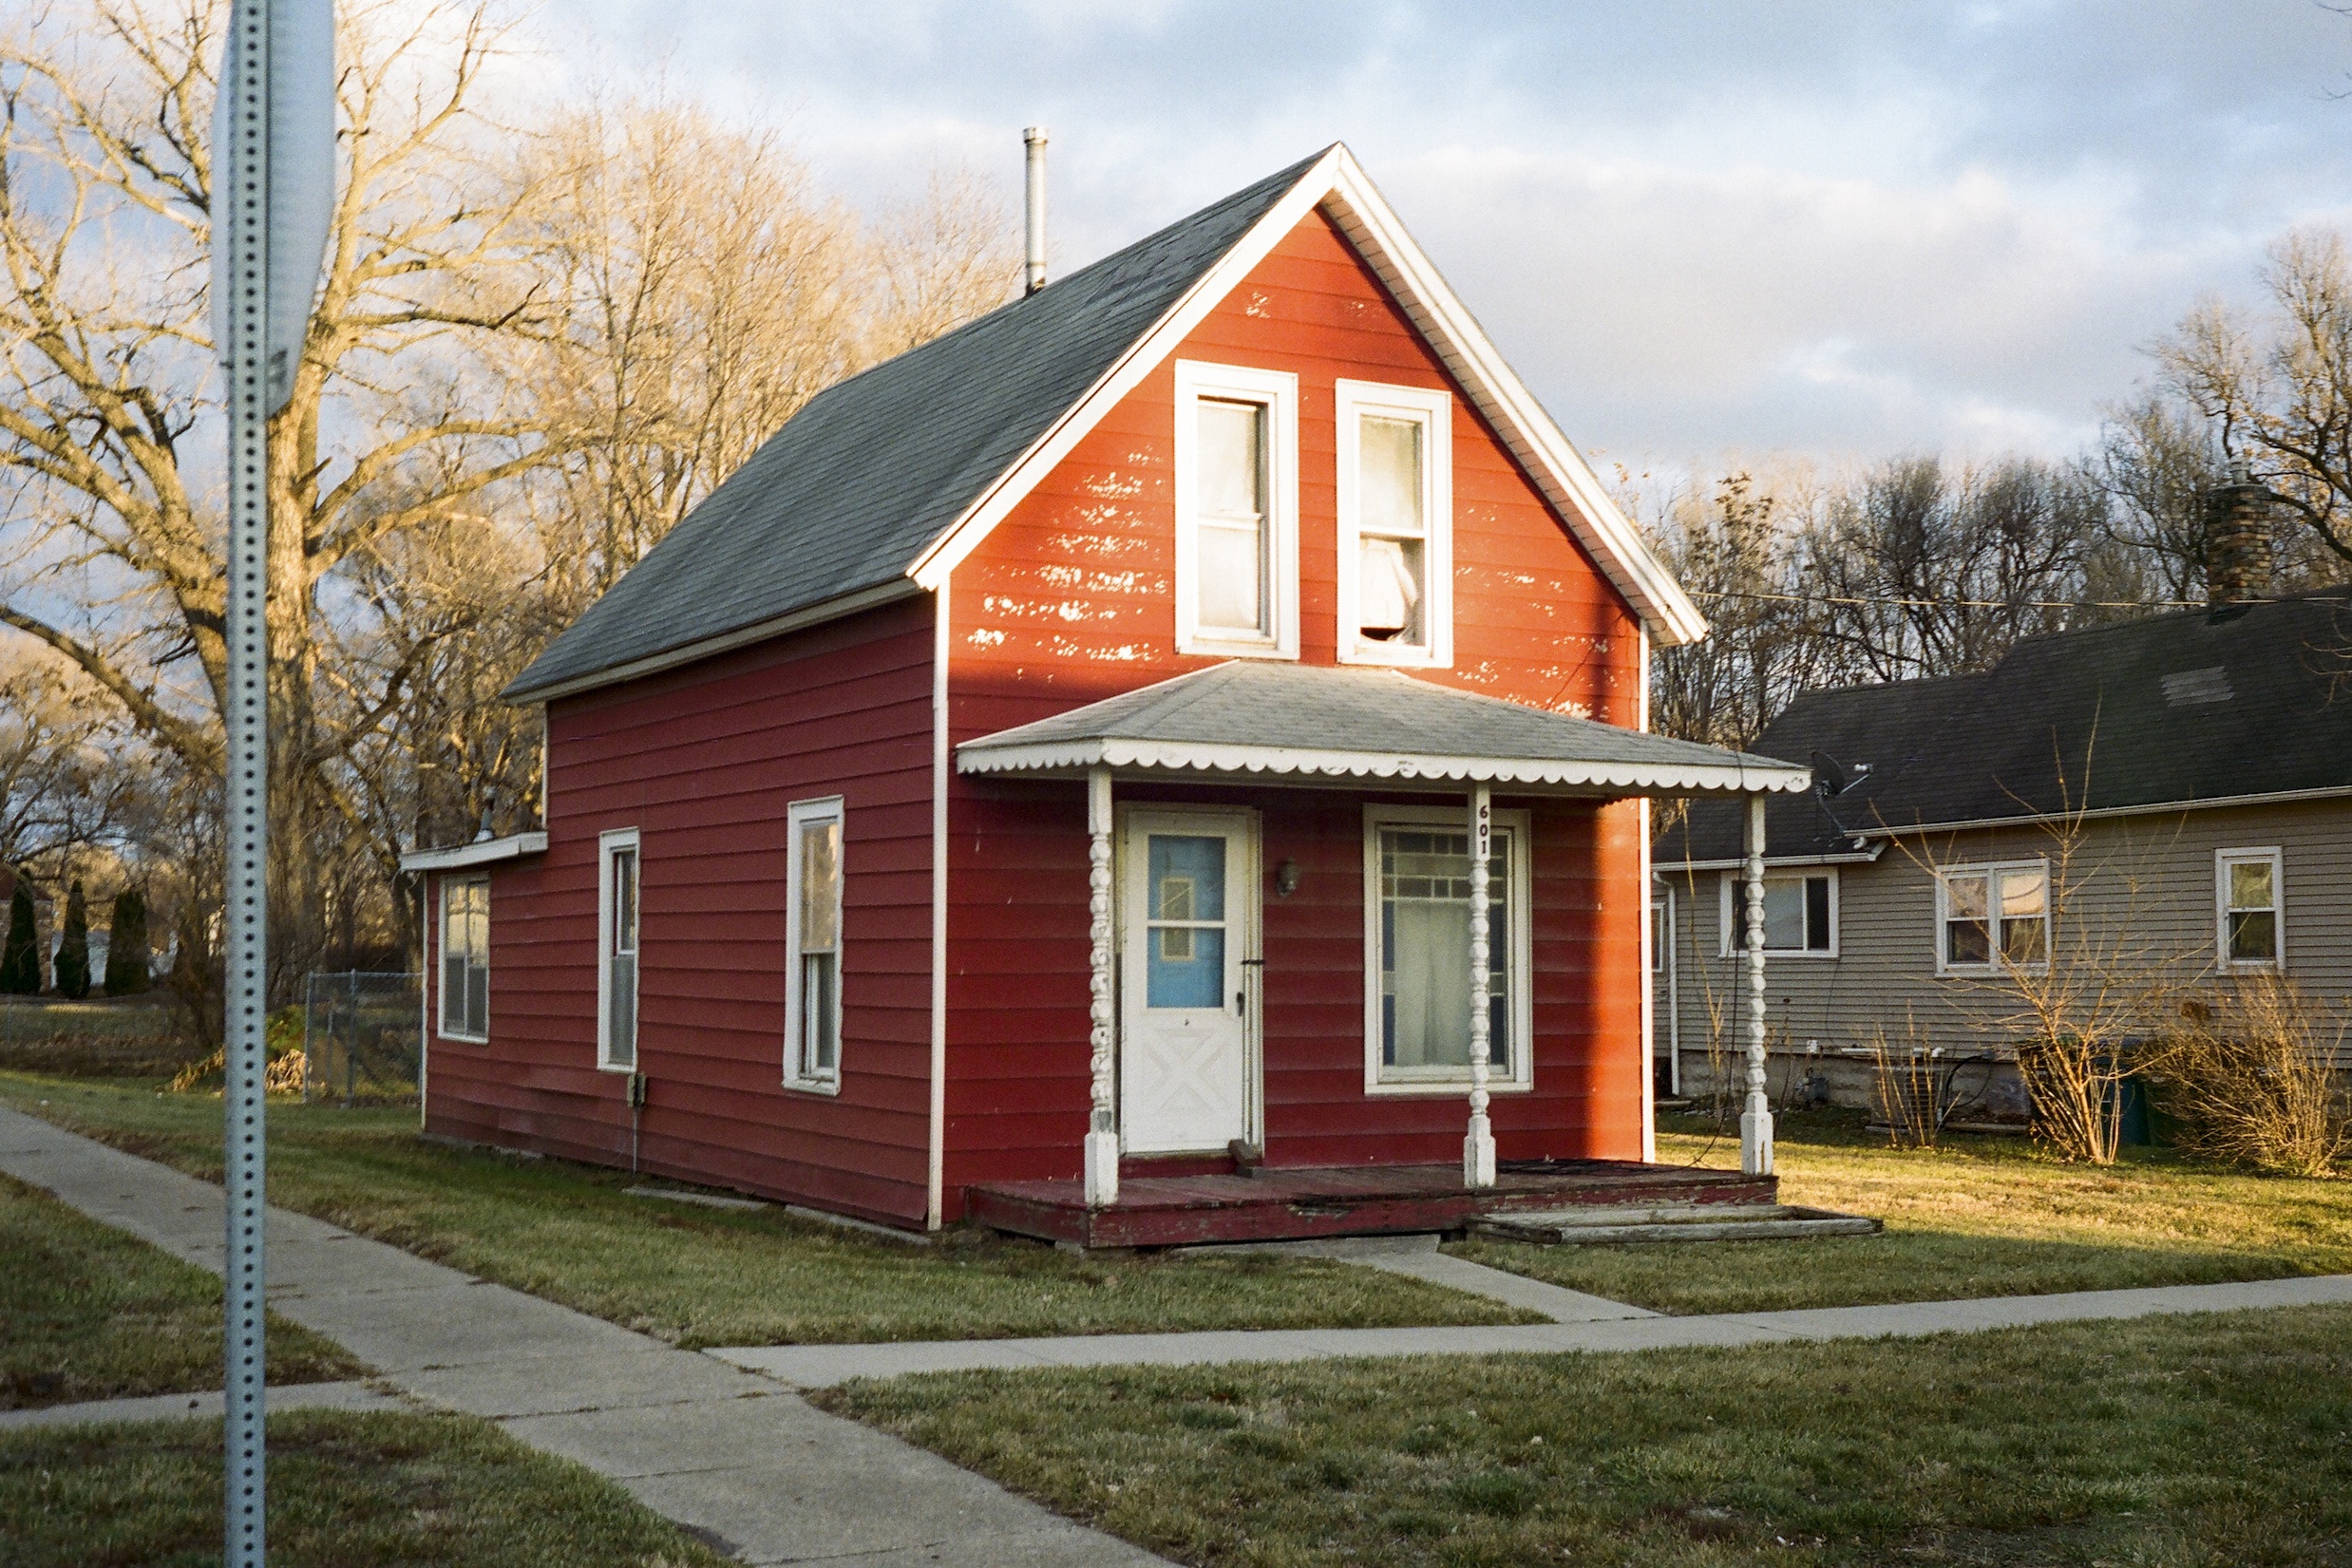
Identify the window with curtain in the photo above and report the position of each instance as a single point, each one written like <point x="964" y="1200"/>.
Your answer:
<point x="1422" y="952"/>
<point x="1994" y="914"/>
<point x="813" y="936"/>
<point x="1800" y="915"/>
<point x="1394" y="515"/>
<point x="1391" y="531"/>
<point x="465" y="957"/>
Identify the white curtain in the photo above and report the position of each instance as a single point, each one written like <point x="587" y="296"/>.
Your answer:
<point x="1433" y="983"/>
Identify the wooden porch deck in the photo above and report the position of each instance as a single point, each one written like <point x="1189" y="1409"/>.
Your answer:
<point x="1304" y="1204"/>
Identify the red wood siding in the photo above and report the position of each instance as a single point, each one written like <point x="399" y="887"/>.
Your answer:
<point x="703" y="762"/>
<point x="1072" y="599"/>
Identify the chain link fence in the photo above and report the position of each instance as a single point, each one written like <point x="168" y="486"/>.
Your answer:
<point x="359" y="1038"/>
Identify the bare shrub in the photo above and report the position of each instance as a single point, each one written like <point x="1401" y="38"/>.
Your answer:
<point x="1905" y="1092"/>
<point x="2251" y="1081"/>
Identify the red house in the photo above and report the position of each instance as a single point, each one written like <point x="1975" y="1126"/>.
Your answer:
<point x="1040" y="784"/>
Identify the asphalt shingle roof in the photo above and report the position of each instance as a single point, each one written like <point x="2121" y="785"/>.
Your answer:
<point x="1317" y="718"/>
<point x="864" y="477"/>
<point x="2255" y="700"/>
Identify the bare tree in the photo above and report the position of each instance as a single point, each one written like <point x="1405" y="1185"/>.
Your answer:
<point x="70" y="775"/>
<point x="2274" y="390"/>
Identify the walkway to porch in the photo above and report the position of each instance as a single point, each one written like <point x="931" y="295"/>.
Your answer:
<point x="1300" y="1204"/>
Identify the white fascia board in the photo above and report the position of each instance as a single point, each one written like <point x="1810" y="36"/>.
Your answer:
<point x="2160" y="808"/>
<point x="652" y="664"/>
<point x="1364" y="215"/>
<point x="1857" y="858"/>
<point x="481" y="852"/>
<point x="965" y="534"/>
<point x="1201" y="757"/>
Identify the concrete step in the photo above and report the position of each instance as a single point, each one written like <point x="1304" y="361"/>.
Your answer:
<point x="1605" y="1226"/>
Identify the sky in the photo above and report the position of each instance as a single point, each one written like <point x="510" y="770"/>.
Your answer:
<point x="1848" y="231"/>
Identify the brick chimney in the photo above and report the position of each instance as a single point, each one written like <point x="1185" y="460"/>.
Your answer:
<point x="2237" y="540"/>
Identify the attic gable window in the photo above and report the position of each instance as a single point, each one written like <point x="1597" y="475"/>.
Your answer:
<point x="1237" y="506"/>
<point x="1395" y="492"/>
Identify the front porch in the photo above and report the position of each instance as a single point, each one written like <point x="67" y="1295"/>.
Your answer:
<point x="1316" y="1203"/>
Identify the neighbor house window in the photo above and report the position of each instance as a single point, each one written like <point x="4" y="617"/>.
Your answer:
<point x="465" y="958"/>
<point x="618" y="893"/>
<point x="1396" y="512"/>
<point x="1800" y="915"/>
<point x="2248" y="888"/>
<point x="1418" y="950"/>
<point x="1237" y="484"/>
<point x="1994" y="915"/>
<point x="812" y="938"/>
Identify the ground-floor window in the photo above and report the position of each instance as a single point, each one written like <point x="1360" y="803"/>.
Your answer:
<point x="618" y="893"/>
<point x="1417" y="981"/>
<point x="2247" y="890"/>
<point x="812" y="939"/>
<point x="1800" y="915"/>
<point x="465" y="958"/>
<point x="1992" y="916"/>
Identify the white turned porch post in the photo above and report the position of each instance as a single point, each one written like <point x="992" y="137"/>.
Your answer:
<point x="1102" y="1138"/>
<point x="1755" y="1122"/>
<point x="1478" y="1147"/>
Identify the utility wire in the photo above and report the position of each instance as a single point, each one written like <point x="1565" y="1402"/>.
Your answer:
<point x="1963" y="604"/>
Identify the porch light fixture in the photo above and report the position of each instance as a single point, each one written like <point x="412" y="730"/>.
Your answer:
<point x="1286" y="878"/>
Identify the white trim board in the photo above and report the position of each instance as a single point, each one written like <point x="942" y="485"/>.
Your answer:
<point x="481" y="852"/>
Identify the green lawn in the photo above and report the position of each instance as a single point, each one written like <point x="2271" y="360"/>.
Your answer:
<point x="119" y="1036"/>
<point x="1980" y="1216"/>
<point x="699" y="1276"/>
<point x="346" y="1491"/>
<point x="2222" y="1440"/>
<point x="89" y="1312"/>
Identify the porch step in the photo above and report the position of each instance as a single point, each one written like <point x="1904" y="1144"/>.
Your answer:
<point x="1616" y="1225"/>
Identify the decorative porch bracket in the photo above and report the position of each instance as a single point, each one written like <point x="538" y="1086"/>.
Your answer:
<point x="1478" y="1147"/>
<point x="1102" y="1138"/>
<point x="1755" y="1122"/>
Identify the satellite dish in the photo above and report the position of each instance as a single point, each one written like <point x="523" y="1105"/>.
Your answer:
<point x="301" y="181"/>
<point x="1827" y="777"/>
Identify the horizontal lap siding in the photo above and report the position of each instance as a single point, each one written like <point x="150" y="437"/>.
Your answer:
<point x="2143" y="892"/>
<point x="703" y="762"/>
<point x="1071" y="600"/>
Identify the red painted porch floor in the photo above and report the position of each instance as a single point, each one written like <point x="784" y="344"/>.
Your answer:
<point x="1304" y="1204"/>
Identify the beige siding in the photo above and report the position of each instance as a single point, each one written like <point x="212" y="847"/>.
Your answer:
<point x="2134" y="893"/>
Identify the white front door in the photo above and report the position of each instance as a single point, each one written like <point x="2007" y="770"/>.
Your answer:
<point x="1188" y="1072"/>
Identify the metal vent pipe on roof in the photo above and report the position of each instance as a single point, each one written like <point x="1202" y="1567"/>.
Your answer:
<point x="1033" y="271"/>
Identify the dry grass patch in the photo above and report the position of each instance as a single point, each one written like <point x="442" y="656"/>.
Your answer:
<point x="1976" y="1216"/>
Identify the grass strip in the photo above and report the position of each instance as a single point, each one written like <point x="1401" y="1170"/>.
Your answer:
<point x="1978" y="1216"/>
<point x="2169" y="1442"/>
<point x="88" y="1312"/>
<point x="347" y="1491"/>
<point x="700" y="1277"/>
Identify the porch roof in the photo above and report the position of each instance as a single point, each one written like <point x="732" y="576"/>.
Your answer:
<point x="1269" y="722"/>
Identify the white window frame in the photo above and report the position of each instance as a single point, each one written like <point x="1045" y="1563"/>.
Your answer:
<point x="442" y="971"/>
<point x="1433" y="412"/>
<point x="619" y="839"/>
<point x="1278" y="393"/>
<point x="1992" y="870"/>
<point x="798" y="816"/>
<point x="2222" y="861"/>
<point x="1734" y="920"/>
<point x="1519" y="1076"/>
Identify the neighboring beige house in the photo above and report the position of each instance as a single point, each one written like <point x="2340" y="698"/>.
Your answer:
<point x="2164" y="802"/>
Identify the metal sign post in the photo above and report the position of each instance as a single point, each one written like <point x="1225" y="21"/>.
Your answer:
<point x="269" y="228"/>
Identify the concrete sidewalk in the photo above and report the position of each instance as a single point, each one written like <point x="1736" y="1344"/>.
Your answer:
<point x="733" y="1456"/>
<point x="819" y="1366"/>
<point x="296" y="1396"/>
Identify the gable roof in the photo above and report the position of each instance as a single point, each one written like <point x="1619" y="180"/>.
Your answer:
<point x="883" y="481"/>
<point x="2186" y="709"/>
<point x="1272" y="718"/>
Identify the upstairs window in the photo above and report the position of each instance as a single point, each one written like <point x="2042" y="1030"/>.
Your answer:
<point x="465" y="958"/>
<point x="1800" y="915"/>
<point x="2247" y="886"/>
<point x="1992" y="916"/>
<point x="1237" y="538"/>
<point x="618" y="893"/>
<point x="1396" y="524"/>
<point x="813" y="938"/>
